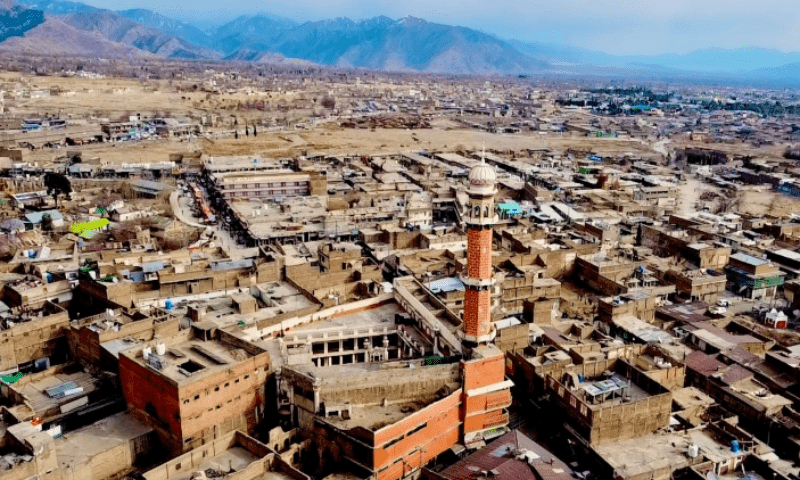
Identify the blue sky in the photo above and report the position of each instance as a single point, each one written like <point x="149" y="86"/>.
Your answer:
<point x="612" y="26"/>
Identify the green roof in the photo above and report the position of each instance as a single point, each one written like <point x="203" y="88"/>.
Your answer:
<point x="511" y="208"/>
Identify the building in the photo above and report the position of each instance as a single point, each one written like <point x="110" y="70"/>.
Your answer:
<point x="32" y="339"/>
<point x="513" y="455"/>
<point x="195" y="386"/>
<point x="234" y="456"/>
<point x="594" y="406"/>
<point x="268" y="185"/>
<point x="787" y="260"/>
<point x="753" y="277"/>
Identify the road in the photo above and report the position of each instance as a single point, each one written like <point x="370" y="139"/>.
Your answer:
<point x="178" y="204"/>
<point x="182" y="208"/>
<point x="690" y="195"/>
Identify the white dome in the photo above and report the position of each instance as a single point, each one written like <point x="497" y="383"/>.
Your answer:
<point x="482" y="176"/>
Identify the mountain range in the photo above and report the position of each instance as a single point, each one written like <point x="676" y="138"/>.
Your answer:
<point x="409" y="44"/>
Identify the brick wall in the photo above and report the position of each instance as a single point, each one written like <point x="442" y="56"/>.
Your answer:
<point x="477" y="312"/>
<point x="483" y="372"/>
<point x="152" y="400"/>
<point x="479" y="253"/>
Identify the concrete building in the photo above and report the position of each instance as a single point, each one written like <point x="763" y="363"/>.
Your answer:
<point x="234" y="186"/>
<point x="753" y="277"/>
<point x="234" y="456"/>
<point x="32" y="339"/>
<point x="594" y="406"/>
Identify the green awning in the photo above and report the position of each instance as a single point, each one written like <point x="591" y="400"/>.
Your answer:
<point x="511" y="208"/>
<point x="13" y="378"/>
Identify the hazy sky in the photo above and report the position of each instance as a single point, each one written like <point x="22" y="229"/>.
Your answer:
<point x="613" y="26"/>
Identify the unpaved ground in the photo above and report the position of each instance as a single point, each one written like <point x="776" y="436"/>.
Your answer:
<point x="767" y="202"/>
<point x="332" y="139"/>
<point x="689" y="197"/>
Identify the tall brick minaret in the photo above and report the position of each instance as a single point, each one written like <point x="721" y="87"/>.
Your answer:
<point x="486" y="393"/>
<point x="478" y="278"/>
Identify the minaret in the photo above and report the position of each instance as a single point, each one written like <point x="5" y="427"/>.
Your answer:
<point x="486" y="392"/>
<point x="478" y="278"/>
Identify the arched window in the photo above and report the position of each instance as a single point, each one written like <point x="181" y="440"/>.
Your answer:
<point x="477" y="211"/>
<point x="486" y="211"/>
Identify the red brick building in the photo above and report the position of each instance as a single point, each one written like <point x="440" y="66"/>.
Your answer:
<point x="195" y="386"/>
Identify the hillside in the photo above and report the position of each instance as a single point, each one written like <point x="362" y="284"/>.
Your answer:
<point x="15" y="19"/>
<point x="56" y="37"/>
<point x="119" y="29"/>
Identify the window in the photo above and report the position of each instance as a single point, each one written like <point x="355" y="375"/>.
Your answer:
<point x="417" y="429"/>
<point x="178" y="465"/>
<point x="227" y="384"/>
<point x="392" y="442"/>
<point x="185" y="402"/>
<point x="216" y="389"/>
<point x="197" y="397"/>
<point x="219" y="406"/>
<point x="236" y="381"/>
<point x="247" y="377"/>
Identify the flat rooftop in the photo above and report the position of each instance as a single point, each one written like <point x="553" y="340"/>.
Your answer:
<point x="748" y="259"/>
<point x="375" y="317"/>
<point x="649" y="453"/>
<point x="376" y="417"/>
<point x="233" y="459"/>
<point x="191" y="360"/>
<point x="38" y="398"/>
<point x="76" y="448"/>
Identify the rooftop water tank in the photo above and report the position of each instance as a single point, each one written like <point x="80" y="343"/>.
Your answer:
<point x="168" y="305"/>
<point x="161" y="349"/>
<point x="694" y="451"/>
<point x="735" y="446"/>
<point x="146" y="351"/>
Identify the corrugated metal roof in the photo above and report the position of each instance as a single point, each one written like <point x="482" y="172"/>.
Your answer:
<point x="151" y="267"/>
<point x="703" y="364"/>
<point x="147" y="185"/>
<point x="748" y="259"/>
<point x="137" y="276"/>
<point x="540" y="464"/>
<point x="36" y="217"/>
<point x="232" y="265"/>
<point x="735" y="373"/>
<point x="788" y="254"/>
<point x="450" y="284"/>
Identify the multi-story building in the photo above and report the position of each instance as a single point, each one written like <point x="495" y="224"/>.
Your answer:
<point x="268" y="185"/>
<point x="33" y="339"/>
<point x="593" y="403"/>
<point x="753" y="277"/>
<point x="195" y="386"/>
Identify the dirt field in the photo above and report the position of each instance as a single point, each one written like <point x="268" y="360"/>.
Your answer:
<point x="767" y="202"/>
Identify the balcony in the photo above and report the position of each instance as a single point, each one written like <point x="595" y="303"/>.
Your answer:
<point x="499" y="403"/>
<point x="499" y="421"/>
